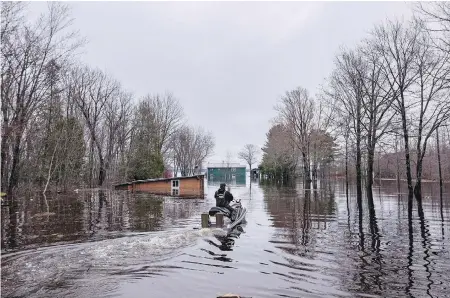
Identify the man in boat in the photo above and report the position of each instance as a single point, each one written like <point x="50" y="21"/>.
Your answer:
<point x="223" y="198"/>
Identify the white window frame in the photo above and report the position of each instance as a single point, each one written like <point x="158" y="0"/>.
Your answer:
<point x="175" y="189"/>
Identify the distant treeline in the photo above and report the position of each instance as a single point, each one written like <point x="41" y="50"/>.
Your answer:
<point x="383" y="111"/>
<point x="65" y="124"/>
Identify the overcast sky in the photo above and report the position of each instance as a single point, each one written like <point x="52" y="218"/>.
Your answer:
<point x="227" y="62"/>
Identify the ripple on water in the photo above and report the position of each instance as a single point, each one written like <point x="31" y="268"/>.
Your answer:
<point x="58" y="266"/>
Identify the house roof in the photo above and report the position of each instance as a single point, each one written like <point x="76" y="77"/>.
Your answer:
<point x="225" y="165"/>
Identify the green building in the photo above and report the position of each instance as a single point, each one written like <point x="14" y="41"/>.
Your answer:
<point x="233" y="173"/>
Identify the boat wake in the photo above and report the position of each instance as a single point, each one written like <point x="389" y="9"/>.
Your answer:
<point x="39" y="270"/>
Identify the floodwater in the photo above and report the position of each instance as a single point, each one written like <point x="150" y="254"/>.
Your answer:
<point x="296" y="243"/>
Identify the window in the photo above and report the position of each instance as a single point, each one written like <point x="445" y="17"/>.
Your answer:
<point x="175" y="189"/>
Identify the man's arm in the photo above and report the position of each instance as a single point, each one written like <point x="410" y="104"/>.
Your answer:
<point x="229" y="196"/>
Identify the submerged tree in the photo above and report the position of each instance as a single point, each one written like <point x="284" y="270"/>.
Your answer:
<point x="280" y="154"/>
<point x="296" y="112"/>
<point x="419" y="75"/>
<point x="397" y="46"/>
<point x="96" y="92"/>
<point x="323" y="152"/>
<point x="347" y="93"/>
<point x="431" y="92"/>
<point x="249" y="154"/>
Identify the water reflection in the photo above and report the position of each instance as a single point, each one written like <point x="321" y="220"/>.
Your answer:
<point x="90" y="215"/>
<point x="380" y="245"/>
<point x="227" y="240"/>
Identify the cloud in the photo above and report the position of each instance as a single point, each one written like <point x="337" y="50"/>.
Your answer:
<point x="269" y="22"/>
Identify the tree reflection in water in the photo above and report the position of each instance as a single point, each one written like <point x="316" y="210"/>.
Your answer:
<point x="39" y="220"/>
<point x="381" y="251"/>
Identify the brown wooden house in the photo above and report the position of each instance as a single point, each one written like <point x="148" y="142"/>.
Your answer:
<point x="188" y="186"/>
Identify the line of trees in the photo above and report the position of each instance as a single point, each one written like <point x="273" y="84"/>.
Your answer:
<point x="65" y="124"/>
<point x="391" y="93"/>
<point x="300" y="137"/>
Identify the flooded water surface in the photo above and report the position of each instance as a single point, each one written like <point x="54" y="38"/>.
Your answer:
<point x="296" y="243"/>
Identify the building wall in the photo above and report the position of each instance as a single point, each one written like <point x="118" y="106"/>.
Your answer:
<point x="187" y="187"/>
<point x="154" y="186"/>
<point x="225" y="174"/>
<point x="191" y="187"/>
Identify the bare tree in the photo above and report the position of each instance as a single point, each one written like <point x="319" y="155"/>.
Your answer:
<point x="167" y="116"/>
<point x="296" y="111"/>
<point x="431" y="90"/>
<point x="347" y="92"/>
<point x="26" y="51"/>
<point x="11" y="17"/>
<point x="249" y="155"/>
<point x="377" y="109"/>
<point x="438" y="149"/>
<point x="191" y="147"/>
<point x="95" y="92"/>
<point x="228" y="157"/>
<point x="117" y="116"/>
<point x="397" y="46"/>
<point x="436" y="15"/>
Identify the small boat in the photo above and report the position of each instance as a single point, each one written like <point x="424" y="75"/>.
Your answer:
<point x="236" y="217"/>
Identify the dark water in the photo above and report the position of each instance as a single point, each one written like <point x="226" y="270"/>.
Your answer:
<point x="296" y="243"/>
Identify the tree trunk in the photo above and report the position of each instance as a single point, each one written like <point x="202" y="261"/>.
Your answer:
<point x="91" y="163"/>
<point x="102" y="165"/>
<point x="306" y="168"/>
<point x="14" y="178"/>
<point x="49" y="174"/>
<point x="370" y="150"/>
<point x="358" y="152"/>
<point x="407" y="154"/>
<point x="419" y="162"/>
<point x="314" y="169"/>
<point x="346" y="165"/>
<point x="439" y="165"/>
<point x="370" y="162"/>
<point x="398" y="165"/>
<point x="6" y="132"/>
<point x="102" y="172"/>
<point x="418" y="186"/>
<point x="4" y="156"/>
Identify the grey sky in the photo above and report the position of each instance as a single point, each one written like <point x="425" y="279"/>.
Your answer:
<point x="227" y="62"/>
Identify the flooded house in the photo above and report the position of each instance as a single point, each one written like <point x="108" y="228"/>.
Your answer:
<point x="186" y="186"/>
<point x="227" y="172"/>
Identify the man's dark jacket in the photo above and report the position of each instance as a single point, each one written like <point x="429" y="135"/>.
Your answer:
<point x="225" y="200"/>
